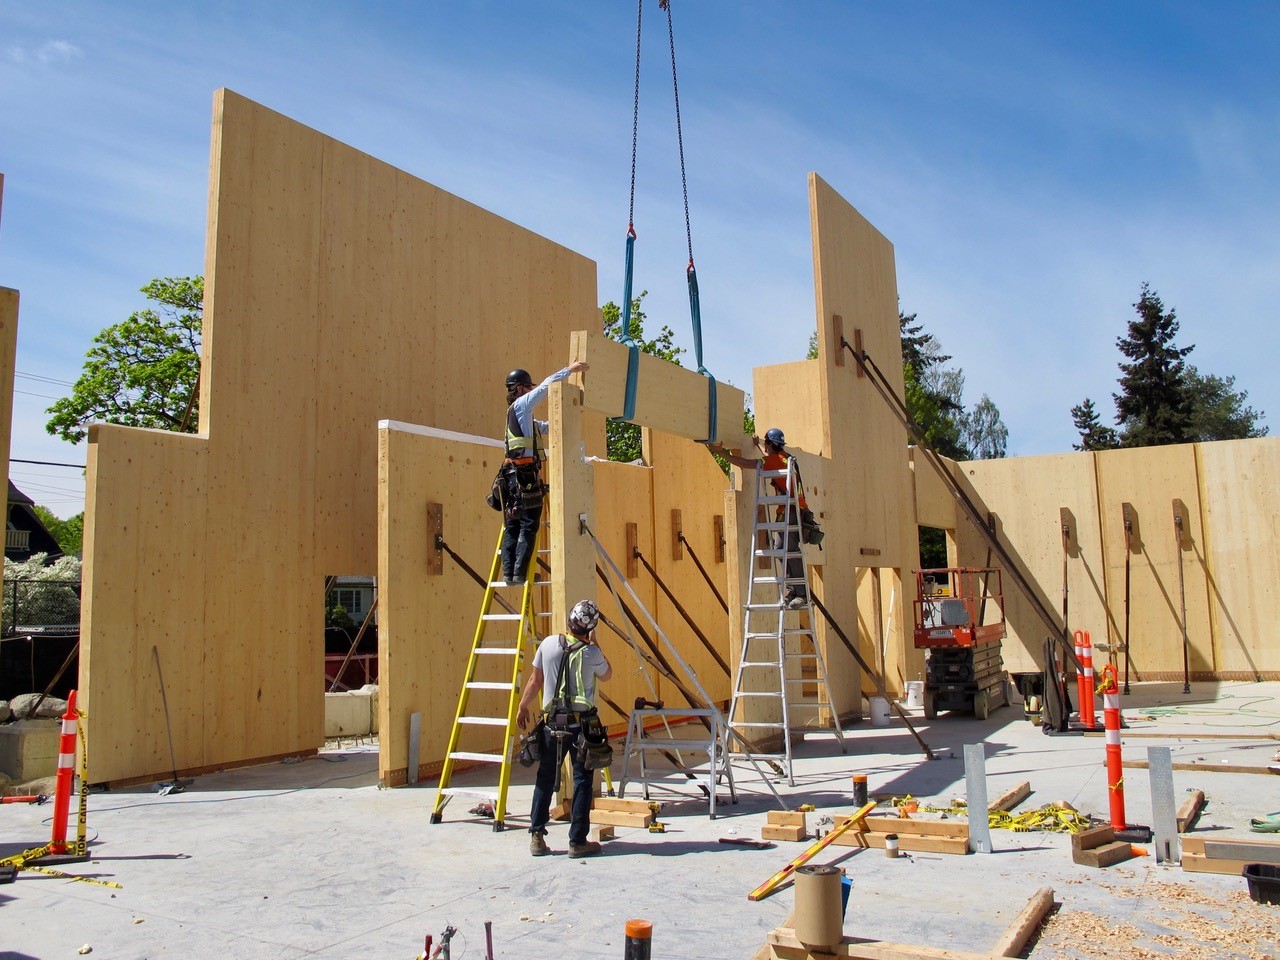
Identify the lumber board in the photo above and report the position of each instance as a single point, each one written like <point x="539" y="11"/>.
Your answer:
<point x="783" y="831"/>
<point x="1209" y="767"/>
<point x="907" y="842"/>
<point x="928" y="828"/>
<point x="1259" y="851"/>
<point x="1011" y="798"/>
<point x="668" y="397"/>
<point x="795" y="818"/>
<point x="618" y="818"/>
<point x="783" y="943"/>
<point x="1189" y="810"/>
<point x="1198" y="863"/>
<point x="621" y="805"/>
<point x="1104" y="855"/>
<point x="1014" y="940"/>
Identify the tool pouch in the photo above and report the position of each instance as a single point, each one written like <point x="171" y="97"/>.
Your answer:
<point x="529" y="750"/>
<point x="593" y="749"/>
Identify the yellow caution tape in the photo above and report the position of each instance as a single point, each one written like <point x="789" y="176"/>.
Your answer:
<point x="71" y="876"/>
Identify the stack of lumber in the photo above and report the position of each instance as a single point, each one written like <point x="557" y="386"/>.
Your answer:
<point x="612" y="811"/>
<point x="1227" y="855"/>
<point x="920" y="836"/>
<point x="1098" y="847"/>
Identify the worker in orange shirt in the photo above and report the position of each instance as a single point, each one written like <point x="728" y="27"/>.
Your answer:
<point x="774" y="456"/>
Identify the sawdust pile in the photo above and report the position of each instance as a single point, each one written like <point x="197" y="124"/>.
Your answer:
<point x="1176" y="920"/>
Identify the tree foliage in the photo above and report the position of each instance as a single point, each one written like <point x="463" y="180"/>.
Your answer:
<point x="143" y="371"/>
<point x="68" y="533"/>
<point x="623" y="439"/>
<point x="1094" y="435"/>
<point x="1163" y="398"/>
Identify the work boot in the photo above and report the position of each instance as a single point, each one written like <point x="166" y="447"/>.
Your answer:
<point x="588" y="848"/>
<point x="797" y="602"/>
<point x="538" y="845"/>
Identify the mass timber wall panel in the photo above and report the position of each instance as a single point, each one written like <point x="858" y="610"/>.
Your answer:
<point x="1150" y="478"/>
<point x="426" y="621"/>
<point x="1238" y="482"/>
<point x="132" y="603"/>
<point x="688" y="497"/>
<point x="855" y="280"/>
<point x="935" y="506"/>
<point x="339" y="292"/>
<point x="1027" y="496"/>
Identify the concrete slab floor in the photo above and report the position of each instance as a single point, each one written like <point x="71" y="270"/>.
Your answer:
<point x="311" y="859"/>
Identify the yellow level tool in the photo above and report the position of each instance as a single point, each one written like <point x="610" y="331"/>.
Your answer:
<point x="766" y="888"/>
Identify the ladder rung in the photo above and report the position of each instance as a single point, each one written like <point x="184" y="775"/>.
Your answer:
<point x="483" y="757"/>
<point x="494" y="651"/>
<point x="761" y="636"/>
<point x="500" y="616"/>
<point x="775" y="605"/>
<point x="466" y="792"/>
<point x="759" y="663"/>
<point x="775" y="553"/>
<point x="756" y="693"/>
<point x="484" y="721"/>
<point x="759" y="724"/>
<point x="487" y="685"/>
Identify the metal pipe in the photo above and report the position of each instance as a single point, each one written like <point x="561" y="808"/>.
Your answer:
<point x="702" y="570"/>
<point x="683" y="613"/>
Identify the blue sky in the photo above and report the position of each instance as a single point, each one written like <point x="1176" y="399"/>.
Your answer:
<point x="1033" y="164"/>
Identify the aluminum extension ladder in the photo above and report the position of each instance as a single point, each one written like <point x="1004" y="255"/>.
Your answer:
<point x="778" y="660"/>
<point x="493" y="677"/>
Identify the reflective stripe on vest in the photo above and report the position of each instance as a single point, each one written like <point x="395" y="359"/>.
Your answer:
<point x="520" y="447"/>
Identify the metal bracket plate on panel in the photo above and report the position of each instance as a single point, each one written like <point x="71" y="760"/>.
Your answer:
<point x="1164" y="816"/>
<point x="975" y="785"/>
<point x="415" y="739"/>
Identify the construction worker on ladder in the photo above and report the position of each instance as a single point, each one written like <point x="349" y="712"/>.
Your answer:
<point x="774" y="456"/>
<point x="522" y="487"/>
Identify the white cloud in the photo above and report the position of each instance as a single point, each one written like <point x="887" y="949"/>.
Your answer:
<point x="51" y="51"/>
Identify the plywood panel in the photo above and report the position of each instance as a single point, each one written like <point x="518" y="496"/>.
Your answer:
<point x="1027" y="494"/>
<point x="339" y="292"/>
<point x="1239" y="479"/>
<point x="1151" y="478"/>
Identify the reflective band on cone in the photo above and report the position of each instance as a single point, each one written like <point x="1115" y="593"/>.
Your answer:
<point x="66" y="776"/>
<point x="1087" y="713"/>
<point x="1111" y="721"/>
<point x="639" y="940"/>
<point x="1078" y="636"/>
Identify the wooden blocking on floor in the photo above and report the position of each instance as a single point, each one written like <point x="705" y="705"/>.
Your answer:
<point x="785" y="825"/>
<point x="1098" y="847"/>
<point x="783" y="831"/>
<point x="602" y="832"/>
<point x="1189" y="812"/>
<point x="918" y="836"/>
<point x="1228" y="855"/>
<point x="561" y="811"/>
<point x="612" y="811"/>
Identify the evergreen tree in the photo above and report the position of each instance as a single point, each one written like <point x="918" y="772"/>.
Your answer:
<point x="1218" y="411"/>
<point x="1151" y="406"/>
<point x="1093" y="434"/>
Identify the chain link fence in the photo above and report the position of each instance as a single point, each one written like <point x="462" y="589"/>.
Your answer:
<point x="41" y="607"/>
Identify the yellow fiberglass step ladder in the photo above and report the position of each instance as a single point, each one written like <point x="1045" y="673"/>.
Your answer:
<point x="490" y="690"/>
<point x="781" y="671"/>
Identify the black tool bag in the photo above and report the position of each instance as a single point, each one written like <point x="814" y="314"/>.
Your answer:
<point x="594" y="751"/>
<point x="529" y="749"/>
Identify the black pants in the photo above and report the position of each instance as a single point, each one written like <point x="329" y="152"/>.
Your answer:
<point x="519" y="538"/>
<point x="544" y="785"/>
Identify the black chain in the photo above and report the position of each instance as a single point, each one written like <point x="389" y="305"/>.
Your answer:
<point x="635" y="121"/>
<point x="675" y="86"/>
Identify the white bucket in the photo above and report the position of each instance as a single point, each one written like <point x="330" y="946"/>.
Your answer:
<point x="879" y="712"/>
<point x="915" y="694"/>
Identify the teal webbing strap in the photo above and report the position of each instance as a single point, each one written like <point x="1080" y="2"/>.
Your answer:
<point x="633" y="357"/>
<point x="696" y="310"/>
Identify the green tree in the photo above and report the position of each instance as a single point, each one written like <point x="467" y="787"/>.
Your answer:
<point x="1217" y="411"/>
<point x="142" y="372"/>
<point x="45" y="593"/>
<point x="623" y="439"/>
<point x="1094" y="435"/>
<point x="1151" y="406"/>
<point x="983" y="432"/>
<point x="68" y="533"/>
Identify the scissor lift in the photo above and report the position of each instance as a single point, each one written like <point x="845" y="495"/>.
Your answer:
<point x="959" y="621"/>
